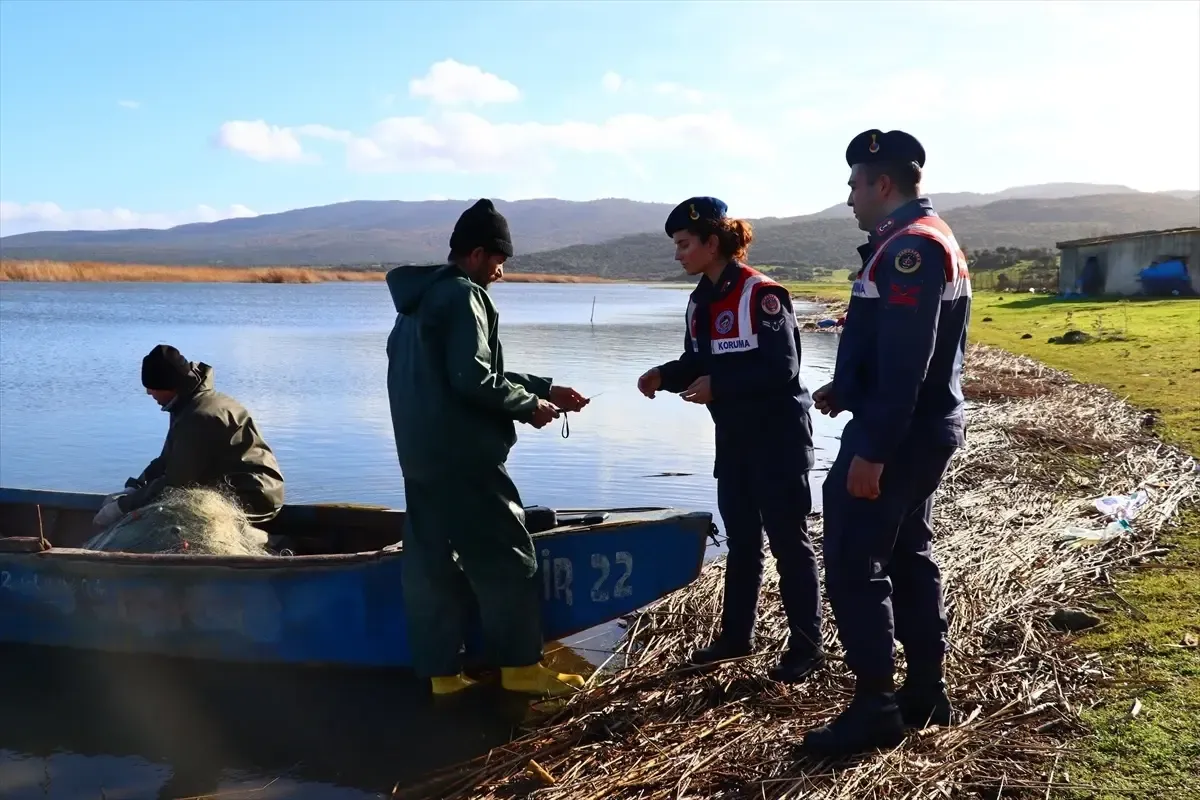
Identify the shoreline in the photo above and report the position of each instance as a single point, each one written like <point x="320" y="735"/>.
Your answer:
<point x="828" y="309"/>
<point x="16" y="271"/>
<point x="830" y="298"/>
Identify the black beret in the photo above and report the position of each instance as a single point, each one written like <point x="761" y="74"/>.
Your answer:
<point x="875" y="146"/>
<point x="693" y="210"/>
<point x="482" y="225"/>
<point x="164" y="367"/>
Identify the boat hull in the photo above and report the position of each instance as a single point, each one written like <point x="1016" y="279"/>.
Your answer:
<point x="327" y="610"/>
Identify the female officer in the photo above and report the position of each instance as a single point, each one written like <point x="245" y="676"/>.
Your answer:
<point x="741" y="359"/>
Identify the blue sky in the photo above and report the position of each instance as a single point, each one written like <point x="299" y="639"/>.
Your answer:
<point x="145" y="114"/>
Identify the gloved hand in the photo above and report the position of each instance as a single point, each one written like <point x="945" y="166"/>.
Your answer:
<point x="108" y="498"/>
<point x="109" y="513"/>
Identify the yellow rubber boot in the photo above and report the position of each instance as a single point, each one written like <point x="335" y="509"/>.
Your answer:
<point x="450" y="684"/>
<point x="537" y="679"/>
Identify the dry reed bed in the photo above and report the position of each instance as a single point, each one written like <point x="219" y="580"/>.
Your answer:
<point x="94" y="272"/>
<point x="1041" y="449"/>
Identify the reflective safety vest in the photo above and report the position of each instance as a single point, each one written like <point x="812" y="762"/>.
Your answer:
<point x="735" y="317"/>
<point x="958" y="278"/>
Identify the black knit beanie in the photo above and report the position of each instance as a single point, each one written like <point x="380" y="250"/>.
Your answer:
<point x="481" y="225"/>
<point x="164" y="368"/>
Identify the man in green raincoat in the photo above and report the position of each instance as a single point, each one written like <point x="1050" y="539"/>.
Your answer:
<point x="453" y="410"/>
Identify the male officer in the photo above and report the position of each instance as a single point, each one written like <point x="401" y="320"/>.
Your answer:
<point x="742" y="360"/>
<point x="898" y="372"/>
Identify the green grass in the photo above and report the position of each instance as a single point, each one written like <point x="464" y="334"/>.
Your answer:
<point x="830" y="291"/>
<point x="1147" y="351"/>
<point x="1159" y="749"/>
<point x="1021" y="274"/>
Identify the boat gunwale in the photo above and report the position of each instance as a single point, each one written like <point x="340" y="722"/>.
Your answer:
<point x="332" y="560"/>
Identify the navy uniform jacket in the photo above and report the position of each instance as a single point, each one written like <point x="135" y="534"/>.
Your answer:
<point x="742" y="334"/>
<point x="900" y="358"/>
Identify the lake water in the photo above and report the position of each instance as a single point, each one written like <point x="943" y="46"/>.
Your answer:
<point x="309" y="363"/>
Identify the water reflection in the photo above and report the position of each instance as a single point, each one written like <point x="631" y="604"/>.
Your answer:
<point x="161" y="729"/>
<point x="309" y="362"/>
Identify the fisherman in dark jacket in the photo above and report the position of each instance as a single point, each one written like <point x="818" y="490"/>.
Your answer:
<point x="899" y="373"/>
<point x="741" y="359"/>
<point x="453" y="411"/>
<point x="212" y="442"/>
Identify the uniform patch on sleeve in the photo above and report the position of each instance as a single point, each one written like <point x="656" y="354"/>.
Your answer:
<point x="770" y="304"/>
<point x="908" y="261"/>
<point x="899" y="295"/>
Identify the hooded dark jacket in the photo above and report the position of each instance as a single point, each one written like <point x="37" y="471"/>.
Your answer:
<point x="453" y="404"/>
<point x="212" y="442"/>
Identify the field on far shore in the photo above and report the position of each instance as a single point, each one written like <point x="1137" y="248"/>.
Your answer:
<point x="96" y="272"/>
<point x="1146" y="350"/>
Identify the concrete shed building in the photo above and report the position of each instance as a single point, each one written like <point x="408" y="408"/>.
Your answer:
<point x="1148" y="262"/>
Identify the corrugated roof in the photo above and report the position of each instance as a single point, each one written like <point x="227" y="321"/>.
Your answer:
<point x="1116" y="237"/>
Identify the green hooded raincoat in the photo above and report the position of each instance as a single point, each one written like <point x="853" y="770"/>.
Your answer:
<point x="453" y="411"/>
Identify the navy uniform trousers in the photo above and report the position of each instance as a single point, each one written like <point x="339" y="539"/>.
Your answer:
<point x="881" y="577"/>
<point x="767" y="490"/>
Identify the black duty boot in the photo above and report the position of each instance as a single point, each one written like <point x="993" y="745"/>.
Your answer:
<point x="924" y="703"/>
<point x="872" y="721"/>
<point x="796" y="666"/>
<point x="721" y="649"/>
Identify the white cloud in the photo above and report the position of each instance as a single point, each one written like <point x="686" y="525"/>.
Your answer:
<point x="467" y="142"/>
<point x="321" y="132"/>
<point x="260" y="141"/>
<point x="669" y="89"/>
<point x="450" y="83"/>
<point x="1042" y="119"/>
<point x="614" y="83"/>
<point x="44" y="216"/>
<point x="457" y="140"/>
<point x="133" y="105"/>
<point x="527" y="187"/>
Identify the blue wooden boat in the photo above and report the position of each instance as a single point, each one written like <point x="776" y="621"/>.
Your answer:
<point x="338" y="602"/>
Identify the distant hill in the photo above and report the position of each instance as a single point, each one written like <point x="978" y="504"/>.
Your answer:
<point x="601" y="237"/>
<point x="1044" y="191"/>
<point x="829" y="242"/>
<point x="358" y="232"/>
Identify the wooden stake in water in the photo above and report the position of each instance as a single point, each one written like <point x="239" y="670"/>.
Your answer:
<point x="592" y="320"/>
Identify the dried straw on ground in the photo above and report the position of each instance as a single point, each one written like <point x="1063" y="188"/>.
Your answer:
<point x="196" y="521"/>
<point x="1041" y="449"/>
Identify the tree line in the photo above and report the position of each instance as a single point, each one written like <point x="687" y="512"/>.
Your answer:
<point x="1005" y="257"/>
